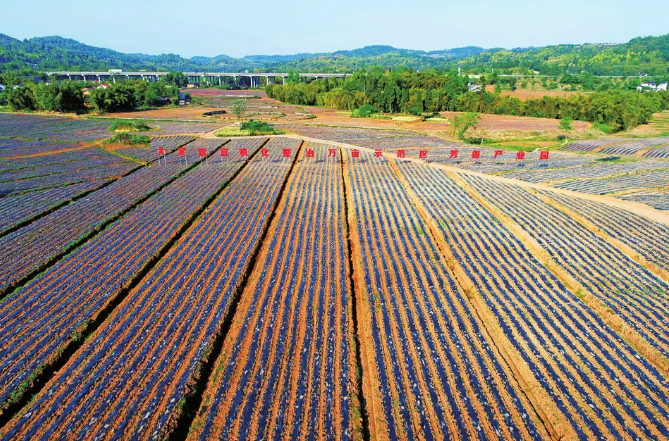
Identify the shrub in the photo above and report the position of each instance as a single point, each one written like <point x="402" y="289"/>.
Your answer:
<point x="127" y="139"/>
<point x="128" y="126"/>
<point x="260" y="128"/>
<point x="364" y="111"/>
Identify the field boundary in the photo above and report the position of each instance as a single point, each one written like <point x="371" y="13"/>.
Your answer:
<point x="634" y="207"/>
<point x="34" y="384"/>
<point x="605" y="313"/>
<point x="48" y="211"/>
<point x="550" y="418"/>
<point x="95" y="231"/>
<point x="626" y="249"/>
<point x="179" y="424"/>
<point x="369" y="428"/>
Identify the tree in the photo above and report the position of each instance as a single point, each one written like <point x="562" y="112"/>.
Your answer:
<point x="239" y="107"/>
<point x="176" y="78"/>
<point x="293" y="77"/>
<point x="119" y="96"/>
<point x="71" y="96"/>
<point x="565" y="124"/>
<point x="47" y="97"/>
<point x="21" y="98"/>
<point x="461" y="123"/>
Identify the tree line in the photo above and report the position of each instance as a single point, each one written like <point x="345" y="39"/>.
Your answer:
<point x="71" y="96"/>
<point x="433" y="91"/>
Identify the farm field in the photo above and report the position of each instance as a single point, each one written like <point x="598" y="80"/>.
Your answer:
<point x="320" y="285"/>
<point x="310" y="329"/>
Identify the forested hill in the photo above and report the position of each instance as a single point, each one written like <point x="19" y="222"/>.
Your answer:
<point x="649" y="55"/>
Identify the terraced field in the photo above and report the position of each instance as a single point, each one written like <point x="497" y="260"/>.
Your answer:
<point x="654" y="198"/>
<point x="632" y="291"/>
<point x="644" y="180"/>
<point x="634" y="147"/>
<point x="592" y="144"/>
<point x="288" y="289"/>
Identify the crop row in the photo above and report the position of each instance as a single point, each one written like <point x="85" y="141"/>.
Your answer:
<point x="598" y="382"/>
<point x="287" y="366"/>
<point x="33" y="246"/>
<point x="43" y="317"/>
<point x="434" y="373"/>
<point x="521" y="165"/>
<point x="635" y="146"/>
<point x="589" y="170"/>
<point x="89" y="155"/>
<point x="658" y="199"/>
<point x="399" y="142"/>
<point x="116" y="169"/>
<point x="39" y="127"/>
<point x="129" y="378"/>
<point x="649" y="179"/>
<point x="19" y="208"/>
<point x="10" y="148"/>
<point x="61" y="167"/>
<point x="659" y="152"/>
<point x="149" y="153"/>
<point x="176" y="128"/>
<point x="591" y="144"/>
<point x="635" y="294"/>
<point x="345" y="134"/>
<point x="646" y="237"/>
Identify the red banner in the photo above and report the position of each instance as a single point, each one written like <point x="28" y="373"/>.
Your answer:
<point x="224" y="153"/>
<point x="476" y="154"/>
<point x="543" y="155"/>
<point x="454" y="154"/>
<point x="520" y="155"/>
<point x="182" y="151"/>
<point x="161" y="151"/>
<point x="422" y="154"/>
<point x="202" y="153"/>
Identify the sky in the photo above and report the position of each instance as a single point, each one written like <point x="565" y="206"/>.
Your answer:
<point x="270" y="27"/>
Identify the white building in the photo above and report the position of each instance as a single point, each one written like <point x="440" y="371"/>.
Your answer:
<point x="652" y="86"/>
<point x="474" y="87"/>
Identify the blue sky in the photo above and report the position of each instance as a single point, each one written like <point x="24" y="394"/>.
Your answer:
<point x="238" y="28"/>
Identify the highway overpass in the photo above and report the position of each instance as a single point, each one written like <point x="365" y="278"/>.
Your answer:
<point x="193" y="77"/>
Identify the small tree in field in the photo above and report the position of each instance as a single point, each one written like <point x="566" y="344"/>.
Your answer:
<point x="460" y="124"/>
<point x="565" y="124"/>
<point x="238" y="108"/>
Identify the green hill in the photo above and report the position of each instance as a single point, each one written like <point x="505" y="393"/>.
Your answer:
<point x="648" y="55"/>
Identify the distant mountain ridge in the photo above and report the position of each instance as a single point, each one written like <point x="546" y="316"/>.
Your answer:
<point x="640" y="55"/>
<point x="55" y="52"/>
